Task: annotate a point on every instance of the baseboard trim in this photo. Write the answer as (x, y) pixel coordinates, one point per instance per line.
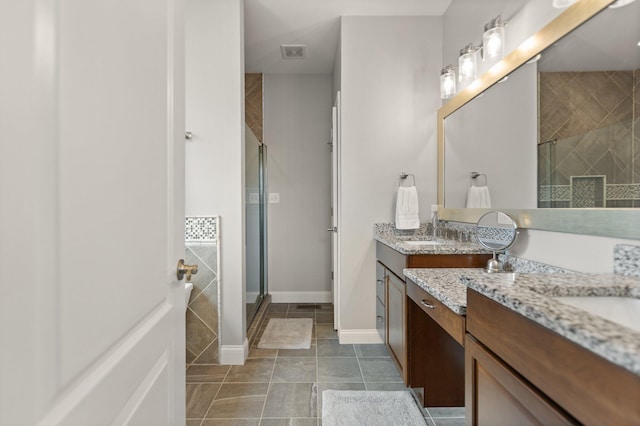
(234, 354)
(300, 296)
(366, 336)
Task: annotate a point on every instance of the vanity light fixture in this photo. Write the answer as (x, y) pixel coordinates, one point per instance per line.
(468, 65)
(493, 40)
(447, 82)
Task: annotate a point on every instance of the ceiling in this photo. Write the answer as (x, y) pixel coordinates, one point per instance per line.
(314, 23)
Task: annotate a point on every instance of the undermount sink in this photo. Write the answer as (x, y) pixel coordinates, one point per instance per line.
(621, 310)
(423, 243)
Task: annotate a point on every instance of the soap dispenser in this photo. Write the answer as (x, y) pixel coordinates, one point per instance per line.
(435, 222)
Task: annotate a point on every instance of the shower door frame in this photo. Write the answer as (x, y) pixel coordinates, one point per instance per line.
(262, 218)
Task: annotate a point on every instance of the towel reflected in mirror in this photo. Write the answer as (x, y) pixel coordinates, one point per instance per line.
(478, 197)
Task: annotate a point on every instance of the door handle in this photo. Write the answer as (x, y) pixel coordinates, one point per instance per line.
(332, 229)
(187, 270)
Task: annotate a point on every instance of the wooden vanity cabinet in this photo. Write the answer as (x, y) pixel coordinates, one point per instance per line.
(392, 297)
(381, 300)
(500, 396)
(518, 372)
(436, 355)
(397, 322)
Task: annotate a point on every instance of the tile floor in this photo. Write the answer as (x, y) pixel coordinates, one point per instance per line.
(284, 387)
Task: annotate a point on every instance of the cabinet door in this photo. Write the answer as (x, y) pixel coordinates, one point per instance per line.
(380, 278)
(396, 321)
(381, 323)
(496, 395)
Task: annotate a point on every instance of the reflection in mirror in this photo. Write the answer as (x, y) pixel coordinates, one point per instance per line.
(588, 142)
(496, 231)
(585, 149)
(494, 134)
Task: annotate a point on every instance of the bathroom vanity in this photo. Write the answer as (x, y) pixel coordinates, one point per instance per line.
(536, 357)
(436, 335)
(531, 354)
(394, 254)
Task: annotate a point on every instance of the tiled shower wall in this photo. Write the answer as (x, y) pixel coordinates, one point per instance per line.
(202, 310)
(592, 117)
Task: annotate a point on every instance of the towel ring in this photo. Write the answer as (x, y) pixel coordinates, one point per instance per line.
(475, 175)
(405, 175)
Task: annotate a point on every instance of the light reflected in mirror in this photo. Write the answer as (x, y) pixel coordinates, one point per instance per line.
(584, 151)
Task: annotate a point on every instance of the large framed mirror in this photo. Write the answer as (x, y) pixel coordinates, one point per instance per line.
(553, 130)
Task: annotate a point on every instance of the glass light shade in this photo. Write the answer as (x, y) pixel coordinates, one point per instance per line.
(493, 40)
(468, 65)
(447, 82)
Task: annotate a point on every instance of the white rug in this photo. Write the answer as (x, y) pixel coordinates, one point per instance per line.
(370, 408)
(287, 333)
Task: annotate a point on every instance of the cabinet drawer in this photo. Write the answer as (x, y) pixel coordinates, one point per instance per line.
(380, 276)
(451, 322)
(381, 321)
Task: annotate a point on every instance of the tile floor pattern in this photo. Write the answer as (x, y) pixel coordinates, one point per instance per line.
(284, 387)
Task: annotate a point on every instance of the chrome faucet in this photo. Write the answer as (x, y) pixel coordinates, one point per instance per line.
(435, 223)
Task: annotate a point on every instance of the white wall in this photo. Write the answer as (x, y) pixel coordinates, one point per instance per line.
(467, 17)
(584, 253)
(215, 156)
(389, 75)
(337, 66)
(297, 128)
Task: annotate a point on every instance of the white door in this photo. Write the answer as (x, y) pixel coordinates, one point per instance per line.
(335, 211)
(91, 212)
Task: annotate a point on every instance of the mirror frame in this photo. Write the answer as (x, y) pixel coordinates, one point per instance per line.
(610, 222)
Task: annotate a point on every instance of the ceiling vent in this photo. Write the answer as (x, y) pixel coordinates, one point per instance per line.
(293, 51)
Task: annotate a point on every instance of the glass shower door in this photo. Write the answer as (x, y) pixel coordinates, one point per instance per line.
(256, 239)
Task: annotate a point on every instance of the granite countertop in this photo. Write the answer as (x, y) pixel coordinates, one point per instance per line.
(445, 284)
(399, 243)
(531, 295)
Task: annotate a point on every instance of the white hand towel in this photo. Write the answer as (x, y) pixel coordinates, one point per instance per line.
(478, 197)
(407, 208)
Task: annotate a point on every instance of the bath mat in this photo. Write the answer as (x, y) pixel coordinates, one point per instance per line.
(371, 408)
(287, 333)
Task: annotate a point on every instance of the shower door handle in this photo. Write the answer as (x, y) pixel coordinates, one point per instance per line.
(187, 270)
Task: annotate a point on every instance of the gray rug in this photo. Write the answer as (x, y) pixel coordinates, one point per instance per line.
(287, 333)
(370, 408)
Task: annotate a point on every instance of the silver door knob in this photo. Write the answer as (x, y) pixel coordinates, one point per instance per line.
(332, 229)
(187, 270)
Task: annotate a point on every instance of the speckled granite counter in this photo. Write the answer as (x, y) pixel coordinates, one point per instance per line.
(444, 284)
(398, 240)
(531, 295)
